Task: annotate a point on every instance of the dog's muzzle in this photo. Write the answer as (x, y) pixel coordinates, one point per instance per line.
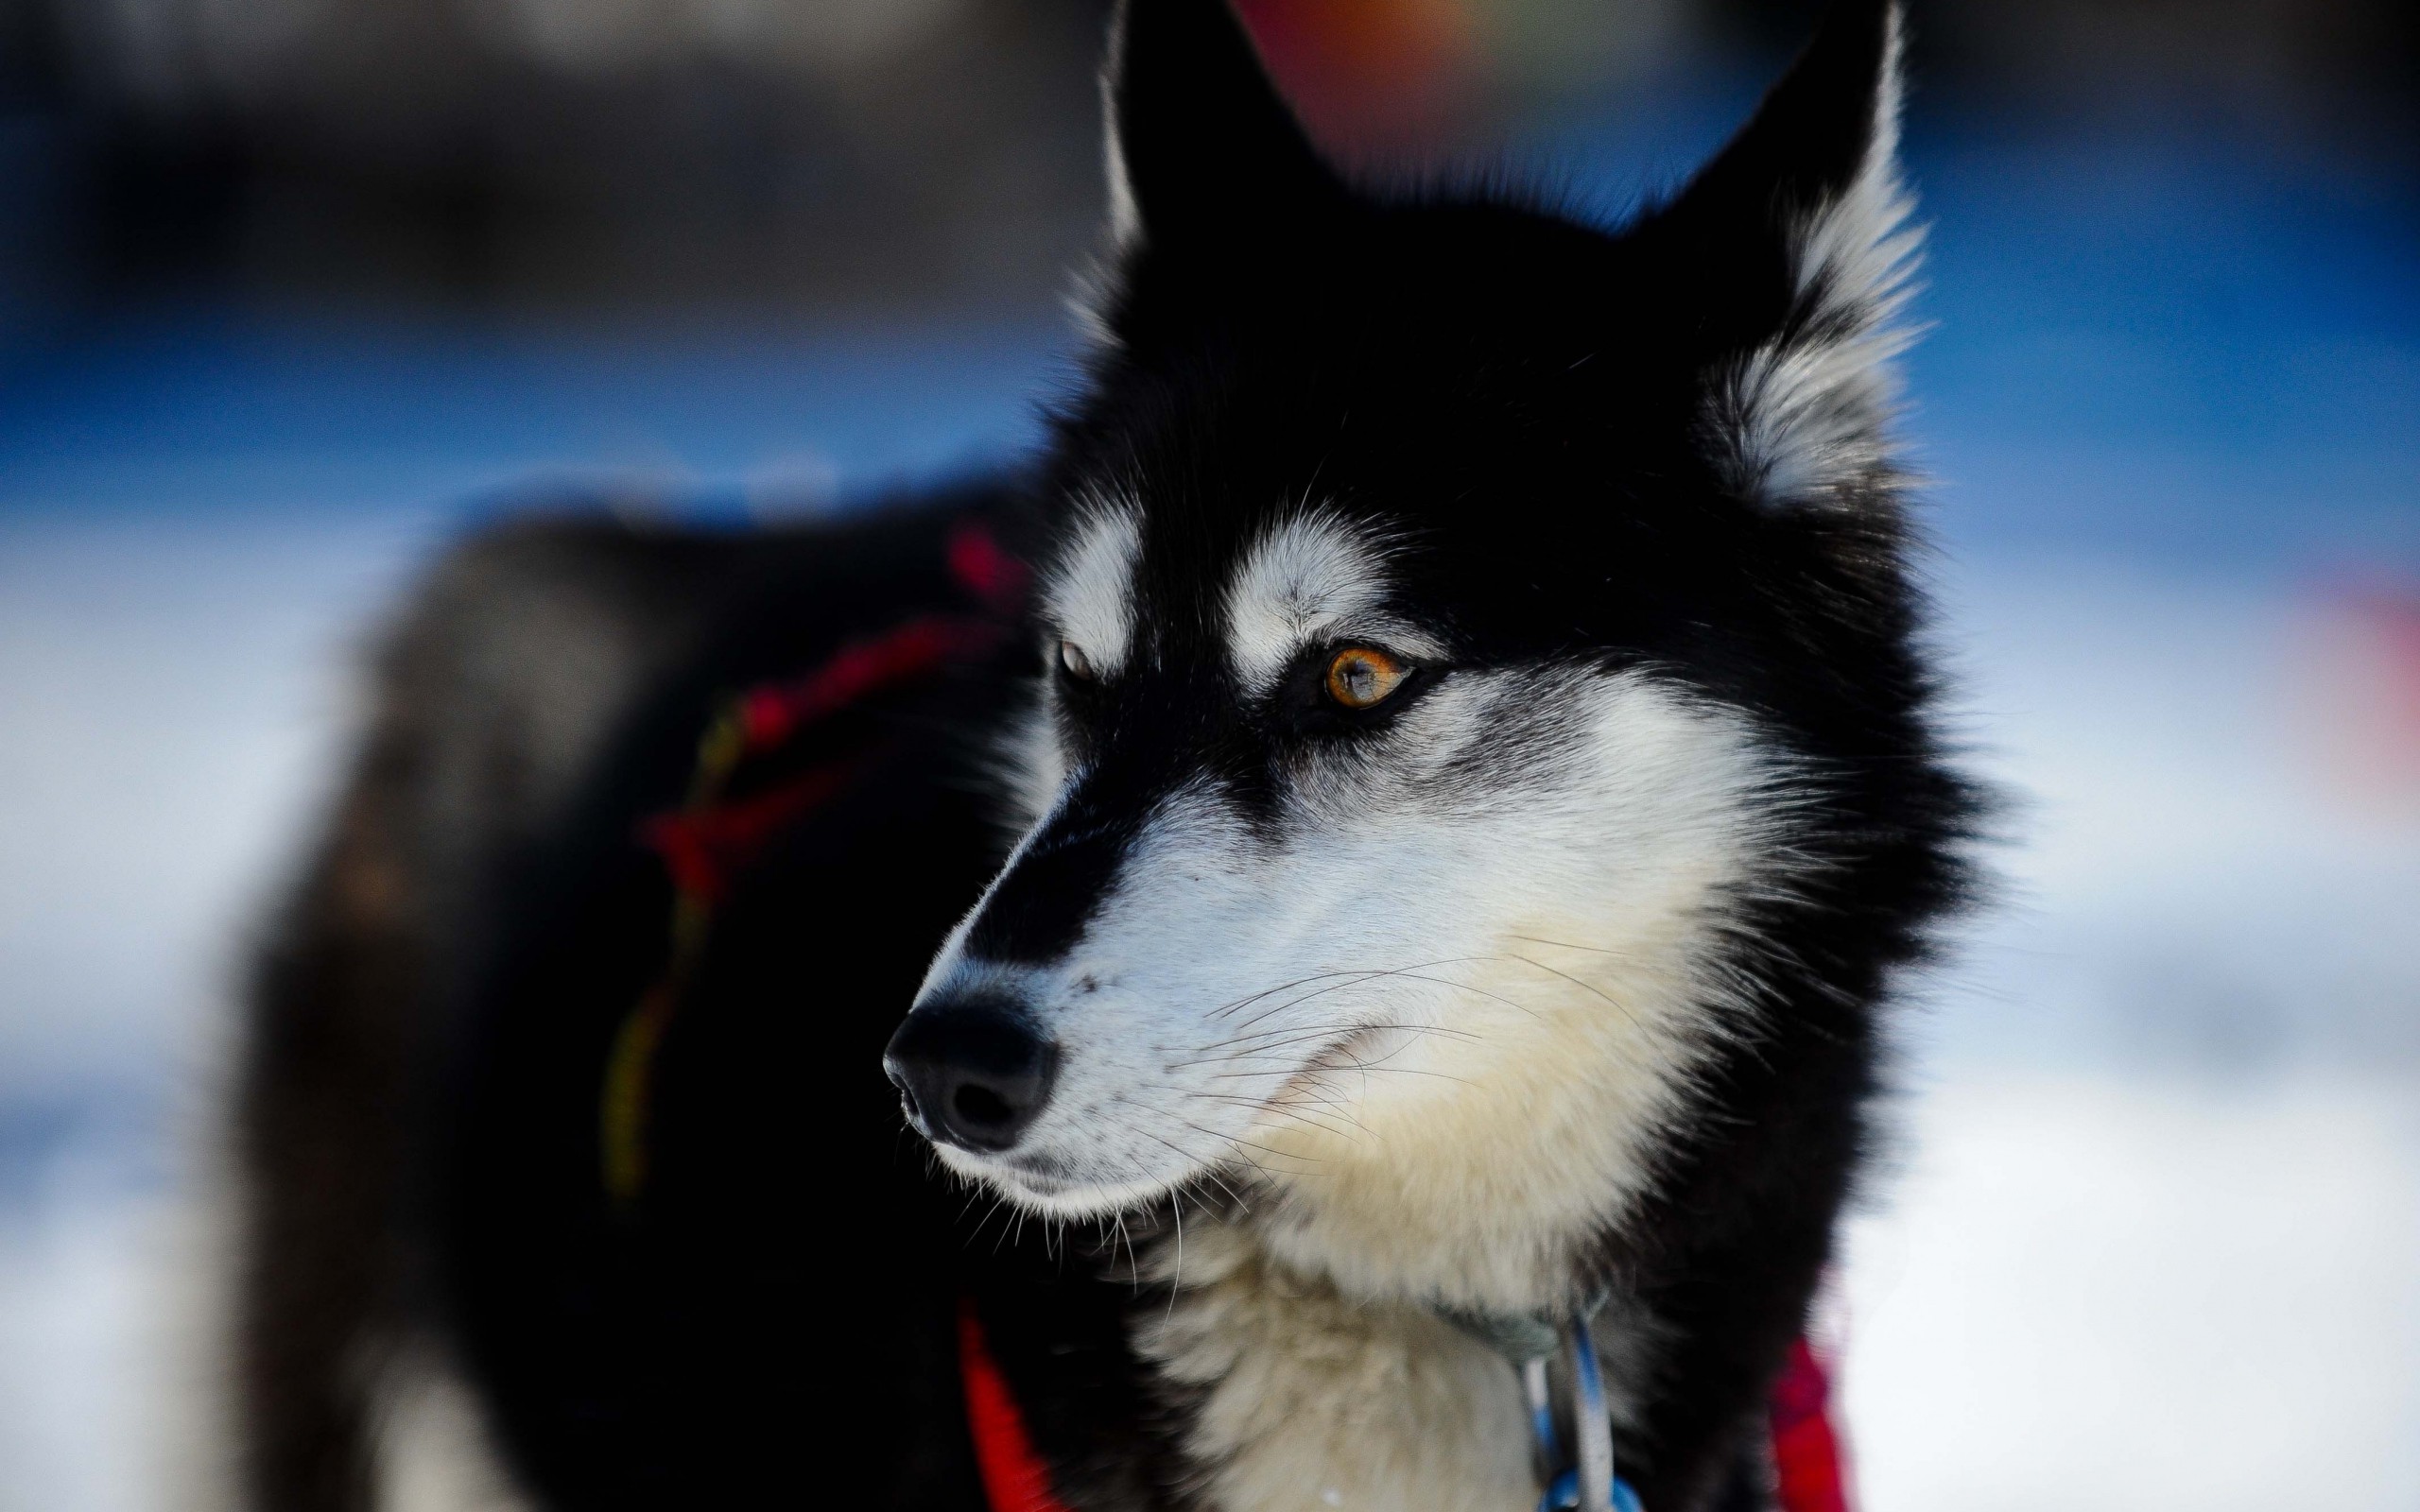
(971, 1072)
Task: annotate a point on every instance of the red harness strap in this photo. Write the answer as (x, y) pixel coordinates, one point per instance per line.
(1809, 1472)
(1807, 1454)
(1014, 1477)
(709, 842)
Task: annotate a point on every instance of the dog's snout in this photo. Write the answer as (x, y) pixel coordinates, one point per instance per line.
(971, 1072)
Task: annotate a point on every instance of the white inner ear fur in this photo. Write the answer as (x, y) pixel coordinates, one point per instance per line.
(1089, 597)
(1807, 414)
(1125, 216)
(1312, 576)
(1089, 295)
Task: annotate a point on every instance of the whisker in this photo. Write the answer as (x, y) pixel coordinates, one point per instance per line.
(1353, 979)
(1250, 999)
(1134, 1261)
(1208, 1134)
(1564, 944)
(1351, 1128)
(1373, 974)
(1464, 987)
(1176, 1283)
(1367, 1067)
(1607, 998)
(1346, 1030)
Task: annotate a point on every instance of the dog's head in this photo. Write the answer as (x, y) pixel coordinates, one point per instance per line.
(1457, 620)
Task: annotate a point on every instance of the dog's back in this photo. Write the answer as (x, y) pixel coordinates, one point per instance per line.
(430, 1074)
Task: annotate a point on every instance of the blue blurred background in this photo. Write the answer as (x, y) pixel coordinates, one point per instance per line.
(294, 291)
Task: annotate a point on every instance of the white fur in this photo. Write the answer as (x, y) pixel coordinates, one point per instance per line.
(1313, 576)
(1088, 299)
(1029, 769)
(1125, 215)
(1807, 414)
(1435, 1025)
(1088, 600)
(1312, 1401)
(436, 1450)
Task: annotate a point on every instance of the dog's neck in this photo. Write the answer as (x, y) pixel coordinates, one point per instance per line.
(1304, 1397)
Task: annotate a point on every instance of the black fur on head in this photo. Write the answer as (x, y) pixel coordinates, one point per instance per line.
(1529, 395)
(1662, 443)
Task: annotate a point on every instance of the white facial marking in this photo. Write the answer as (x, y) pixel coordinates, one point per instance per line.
(1090, 598)
(1029, 770)
(1312, 576)
(1431, 1015)
(1806, 414)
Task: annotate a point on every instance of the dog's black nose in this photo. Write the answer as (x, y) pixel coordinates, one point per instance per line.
(971, 1072)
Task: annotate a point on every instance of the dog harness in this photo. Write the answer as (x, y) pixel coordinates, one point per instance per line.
(706, 842)
(729, 815)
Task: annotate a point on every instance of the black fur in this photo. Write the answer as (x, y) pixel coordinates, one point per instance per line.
(773, 1317)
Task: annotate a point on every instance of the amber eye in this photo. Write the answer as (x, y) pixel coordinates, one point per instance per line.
(1361, 677)
(1072, 658)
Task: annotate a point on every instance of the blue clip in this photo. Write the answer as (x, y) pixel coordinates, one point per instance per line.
(1564, 1495)
(1592, 1422)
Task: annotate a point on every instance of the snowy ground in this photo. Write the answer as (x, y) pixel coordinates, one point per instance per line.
(2151, 1236)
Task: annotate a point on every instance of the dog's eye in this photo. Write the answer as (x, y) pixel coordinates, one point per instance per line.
(1361, 677)
(1073, 661)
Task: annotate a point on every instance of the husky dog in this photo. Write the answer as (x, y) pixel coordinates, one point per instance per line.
(1424, 857)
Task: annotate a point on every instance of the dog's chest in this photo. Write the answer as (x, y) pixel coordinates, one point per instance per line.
(1304, 1401)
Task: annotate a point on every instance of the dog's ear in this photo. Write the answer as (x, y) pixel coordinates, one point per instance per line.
(1797, 242)
(1202, 153)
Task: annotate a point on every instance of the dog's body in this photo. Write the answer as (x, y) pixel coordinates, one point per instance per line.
(1445, 877)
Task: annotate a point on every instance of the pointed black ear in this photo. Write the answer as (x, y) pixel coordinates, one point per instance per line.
(1832, 121)
(1796, 242)
(1200, 147)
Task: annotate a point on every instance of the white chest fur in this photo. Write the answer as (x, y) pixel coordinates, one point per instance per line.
(1310, 1402)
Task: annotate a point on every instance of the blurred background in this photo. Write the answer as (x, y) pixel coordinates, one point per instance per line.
(293, 291)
